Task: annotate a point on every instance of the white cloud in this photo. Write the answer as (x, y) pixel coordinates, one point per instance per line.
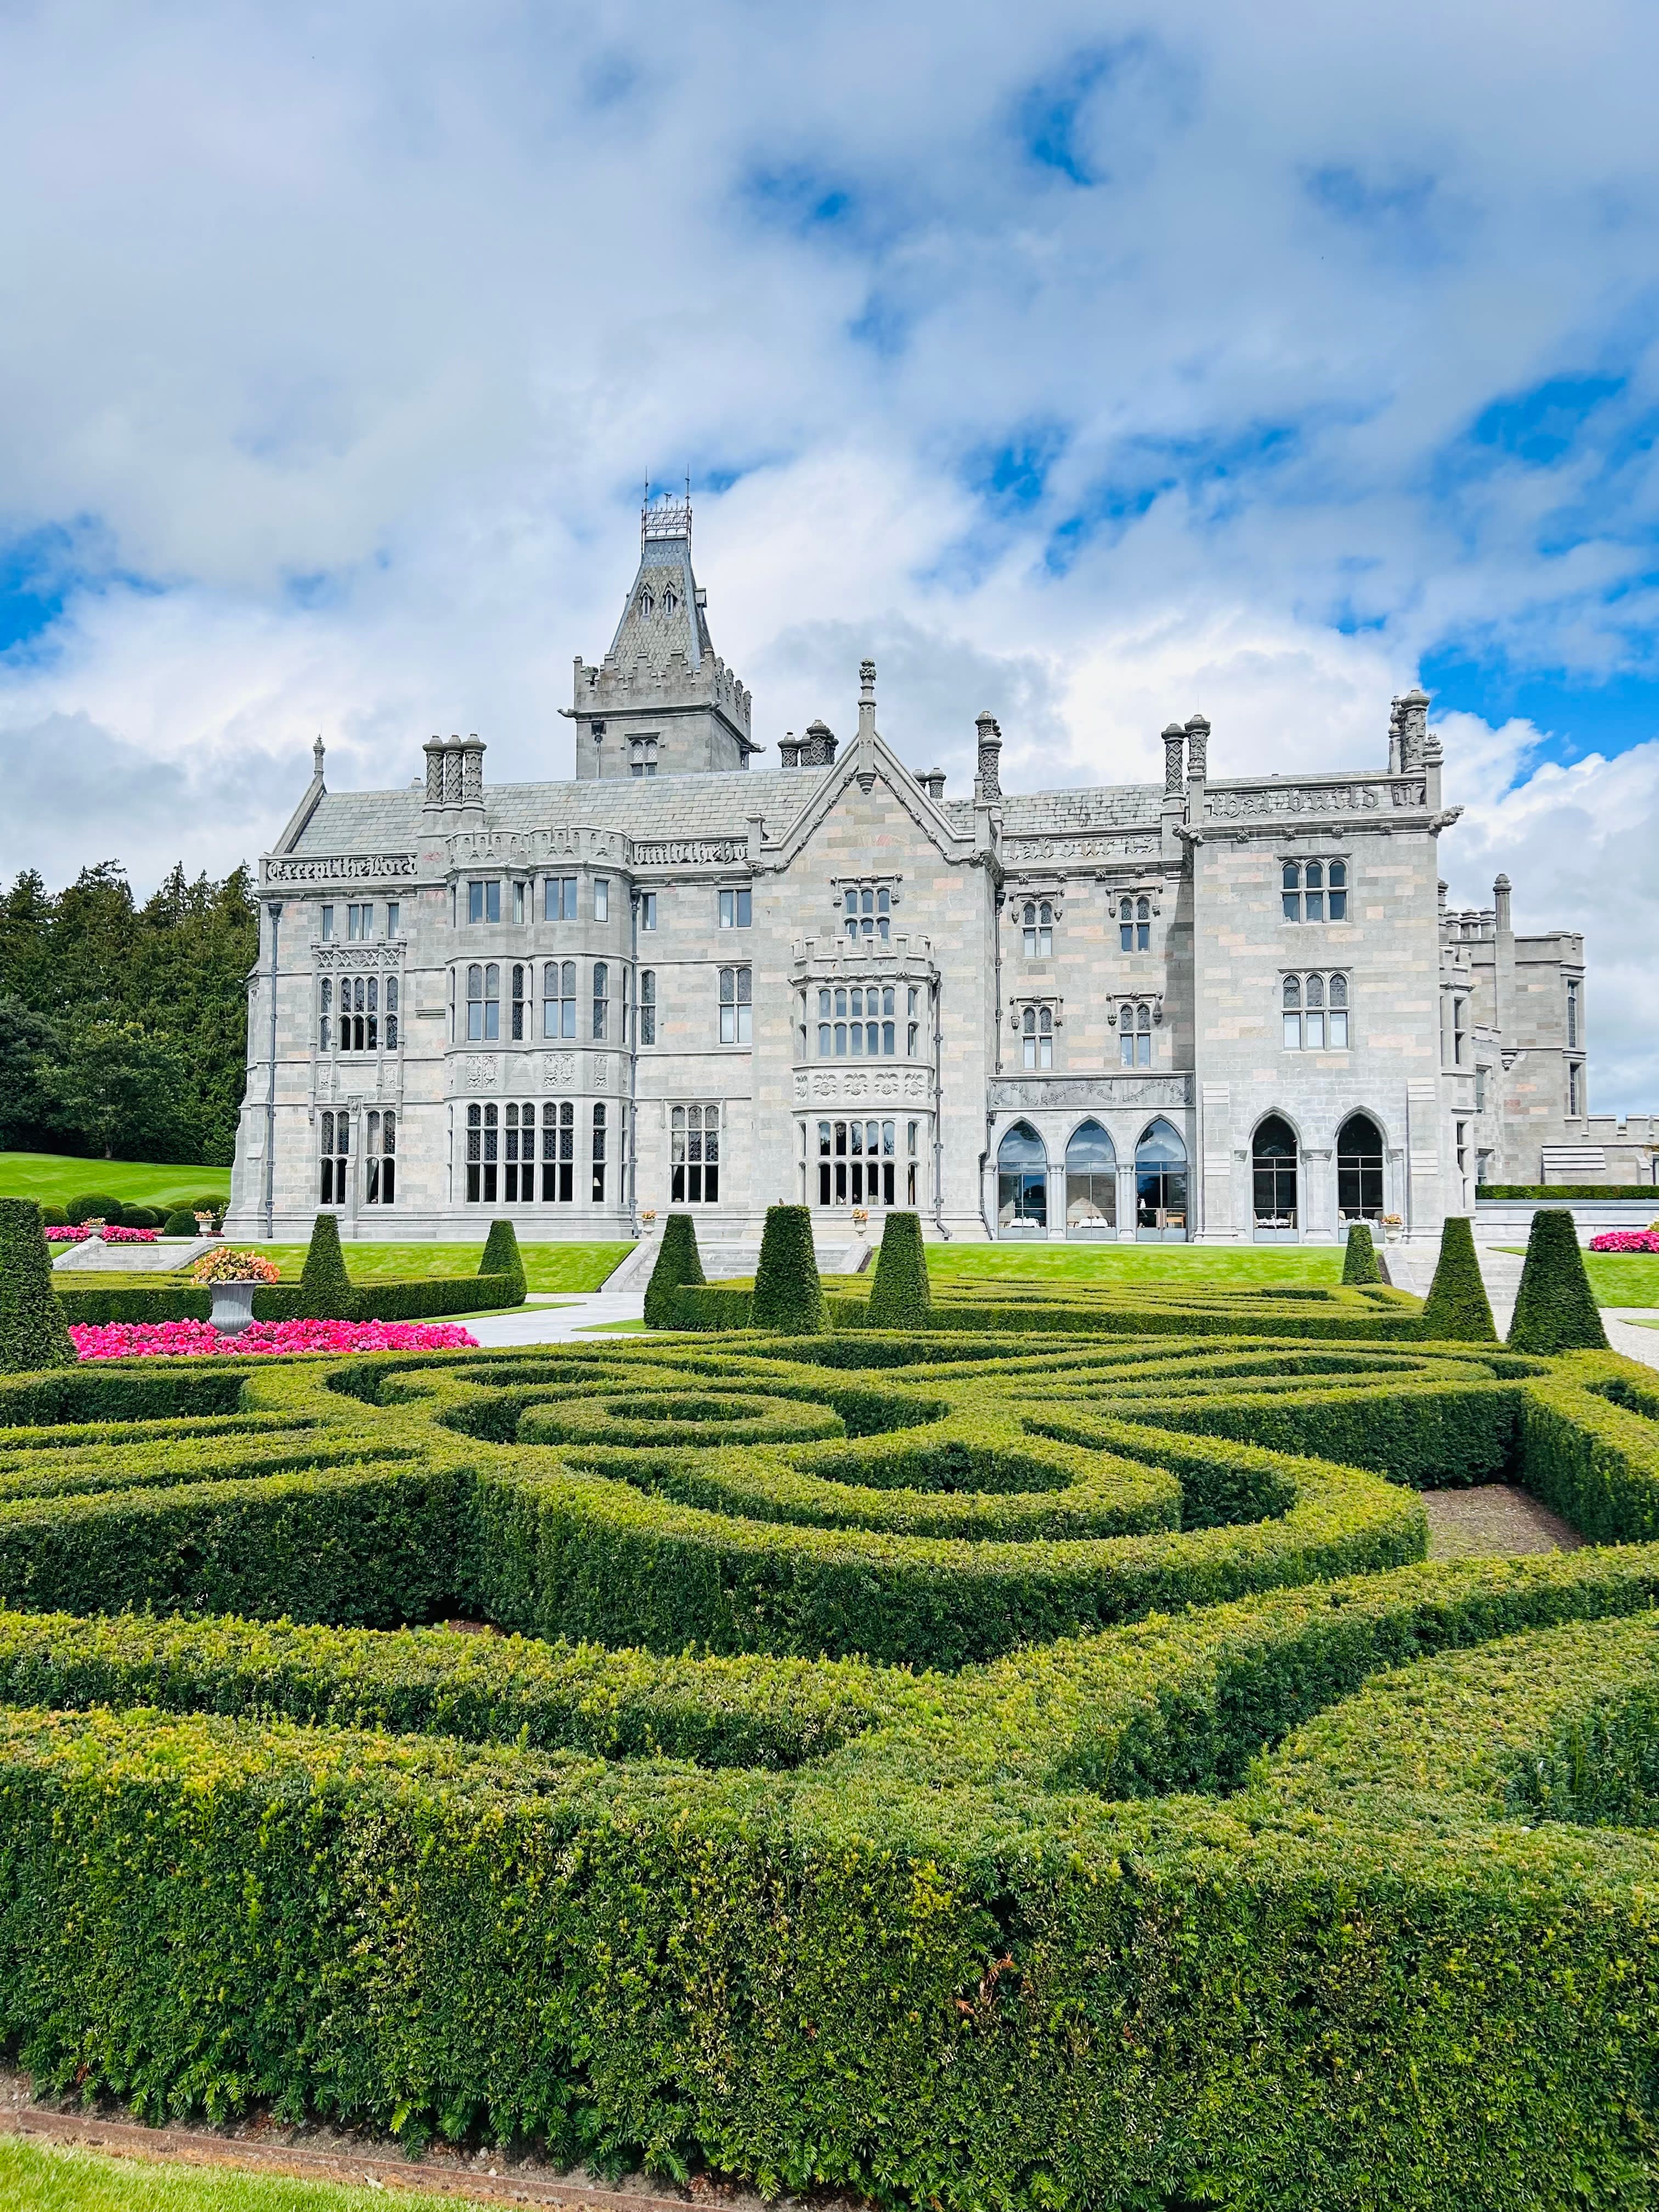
(353, 333)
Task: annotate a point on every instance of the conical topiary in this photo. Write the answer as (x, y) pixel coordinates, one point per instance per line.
(789, 1295)
(901, 1296)
(1456, 1308)
(1555, 1308)
(1359, 1260)
(325, 1292)
(678, 1263)
(502, 1256)
(33, 1330)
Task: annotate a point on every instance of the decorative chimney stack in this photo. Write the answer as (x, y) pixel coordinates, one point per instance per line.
(818, 747)
(788, 749)
(987, 781)
(1174, 738)
(932, 781)
(1198, 749)
(1410, 721)
(454, 772)
(1500, 906)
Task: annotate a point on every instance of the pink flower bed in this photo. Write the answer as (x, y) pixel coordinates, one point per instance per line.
(179, 1340)
(1626, 1240)
(72, 1235)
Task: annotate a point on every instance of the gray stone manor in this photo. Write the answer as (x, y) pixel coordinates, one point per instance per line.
(1228, 1006)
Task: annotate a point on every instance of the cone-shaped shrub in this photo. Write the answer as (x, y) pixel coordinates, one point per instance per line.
(789, 1295)
(324, 1285)
(1554, 1309)
(33, 1330)
(901, 1296)
(502, 1256)
(1456, 1307)
(679, 1263)
(1359, 1260)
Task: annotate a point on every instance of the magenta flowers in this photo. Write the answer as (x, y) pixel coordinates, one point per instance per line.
(1626, 1240)
(73, 1235)
(185, 1340)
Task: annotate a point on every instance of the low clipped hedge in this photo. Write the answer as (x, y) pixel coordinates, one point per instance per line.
(143, 1299)
(944, 1770)
(1646, 1194)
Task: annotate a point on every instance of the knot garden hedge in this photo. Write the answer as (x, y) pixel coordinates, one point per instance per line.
(963, 1771)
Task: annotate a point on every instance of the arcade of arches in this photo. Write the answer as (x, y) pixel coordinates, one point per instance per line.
(1090, 1194)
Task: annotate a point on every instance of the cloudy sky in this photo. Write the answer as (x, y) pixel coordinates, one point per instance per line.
(1088, 363)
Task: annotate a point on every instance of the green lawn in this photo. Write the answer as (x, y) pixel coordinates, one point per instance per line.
(1137, 1263)
(37, 2177)
(546, 1266)
(52, 1179)
(1617, 1279)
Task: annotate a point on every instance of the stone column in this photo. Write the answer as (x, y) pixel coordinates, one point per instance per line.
(1316, 1199)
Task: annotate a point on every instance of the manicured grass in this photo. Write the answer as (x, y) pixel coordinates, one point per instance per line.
(37, 2177)
(546, 1266)
(1220, 1264)
(1617, 1279)
(53, 1178)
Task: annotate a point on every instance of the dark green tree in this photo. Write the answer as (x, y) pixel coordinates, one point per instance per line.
(325, 1292)
(119, 1086)
(502, 1256)
(678, 1263)
(28, 1046)
(901, 1296)
(1359, 1260)
(34, 1332)
(789, 1295)
(1456, 1308)
(1555, 1308)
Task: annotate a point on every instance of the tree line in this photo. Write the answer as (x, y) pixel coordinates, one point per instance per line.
(123, 1027)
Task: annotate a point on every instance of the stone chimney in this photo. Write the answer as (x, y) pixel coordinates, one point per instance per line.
(987, 781)
(454, 772)
(932, 781)
(1198, 749)
(1174, 738)
(788, 749)
(1411, 723)
(1500, 905)
(818, 747)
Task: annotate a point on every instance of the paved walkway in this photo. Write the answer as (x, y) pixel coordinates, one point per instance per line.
(566, 1321)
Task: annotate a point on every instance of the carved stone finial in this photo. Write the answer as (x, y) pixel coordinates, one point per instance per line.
(866, 700)
(317, 756)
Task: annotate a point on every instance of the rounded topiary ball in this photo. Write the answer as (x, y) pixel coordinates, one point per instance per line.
(181, 1224)
(93, 1206)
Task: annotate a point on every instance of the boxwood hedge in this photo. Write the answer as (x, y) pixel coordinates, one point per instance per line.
(957, 1772)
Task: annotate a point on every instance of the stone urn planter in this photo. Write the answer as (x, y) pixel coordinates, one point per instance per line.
(233, 1307)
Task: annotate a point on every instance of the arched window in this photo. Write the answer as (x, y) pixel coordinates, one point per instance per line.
(1090, 1183)
(1022, 1182)
(647, 605)
(1358, 1168)
(669, 601)
(1134, 925)
(1037, 921)
(1037, 1037)
(1135, 1036)
(1273, 1176)
(1161, 1185)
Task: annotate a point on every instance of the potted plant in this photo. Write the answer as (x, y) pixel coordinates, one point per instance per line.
(1391, 1224)
(232, 1278)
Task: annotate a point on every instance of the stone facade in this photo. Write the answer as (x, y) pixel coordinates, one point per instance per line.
(1226, 1009)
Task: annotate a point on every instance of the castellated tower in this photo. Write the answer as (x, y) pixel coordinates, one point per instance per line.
(661, 702)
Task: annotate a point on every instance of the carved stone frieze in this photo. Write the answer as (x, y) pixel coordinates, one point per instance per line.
(1029, 1094)
(1026, 851)
(358, 959)
(689, 852)
(338, 867)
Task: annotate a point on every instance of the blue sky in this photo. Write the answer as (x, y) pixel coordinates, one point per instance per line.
(1091, 363)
